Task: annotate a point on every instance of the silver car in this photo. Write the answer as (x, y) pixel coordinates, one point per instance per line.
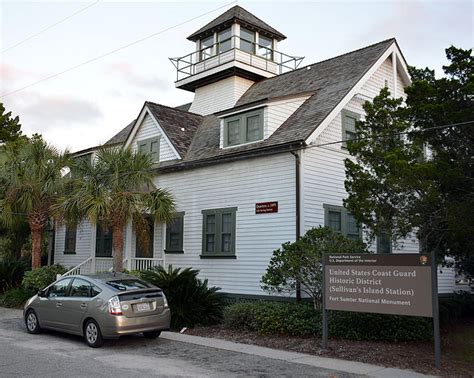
(98, 307)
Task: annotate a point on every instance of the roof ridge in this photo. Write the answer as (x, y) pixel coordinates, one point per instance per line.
(328, 59)
(172, 108)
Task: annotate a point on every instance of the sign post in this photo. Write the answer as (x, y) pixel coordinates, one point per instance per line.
(399, 284)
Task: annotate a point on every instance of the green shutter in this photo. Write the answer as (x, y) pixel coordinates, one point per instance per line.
(150, 146)
(243, 128)
(340, 220)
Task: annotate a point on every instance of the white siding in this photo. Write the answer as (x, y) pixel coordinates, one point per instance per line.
(220, 95)
(324, 173)
(238, 184)
(149, 129)
(83, 245)
(279, 111)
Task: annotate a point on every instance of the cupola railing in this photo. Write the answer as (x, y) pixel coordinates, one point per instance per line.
(236, 49)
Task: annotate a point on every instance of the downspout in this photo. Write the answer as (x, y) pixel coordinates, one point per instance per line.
(296, 154)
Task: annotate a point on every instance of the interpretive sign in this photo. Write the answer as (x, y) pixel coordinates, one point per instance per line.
(379, 283)
(396, 283)
(266, 207)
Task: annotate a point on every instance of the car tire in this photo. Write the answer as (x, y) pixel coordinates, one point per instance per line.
(152, 334)
(92, 334)
(32, 322)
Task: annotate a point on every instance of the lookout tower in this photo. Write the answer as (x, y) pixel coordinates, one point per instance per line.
(235, 45)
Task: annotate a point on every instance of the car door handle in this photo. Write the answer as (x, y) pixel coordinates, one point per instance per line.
(58, 304)
(84, 305)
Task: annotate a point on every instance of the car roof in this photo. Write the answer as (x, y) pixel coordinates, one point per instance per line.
(105, 276)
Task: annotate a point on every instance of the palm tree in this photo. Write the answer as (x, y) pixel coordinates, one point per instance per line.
(31, 181)
(117, 187)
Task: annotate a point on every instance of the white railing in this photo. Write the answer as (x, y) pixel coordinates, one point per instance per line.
(144, 263)
(83, 267)
(103, 264)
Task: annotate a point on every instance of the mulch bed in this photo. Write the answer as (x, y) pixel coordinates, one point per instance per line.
(457, 348)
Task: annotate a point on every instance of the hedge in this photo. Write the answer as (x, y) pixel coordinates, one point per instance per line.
(39, 278)
(302, 320)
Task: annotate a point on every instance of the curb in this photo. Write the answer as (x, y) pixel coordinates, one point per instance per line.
(353, 367)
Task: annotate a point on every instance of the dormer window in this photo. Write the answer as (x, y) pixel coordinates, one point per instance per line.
(243, 128)
(247, 40)
(224, 41)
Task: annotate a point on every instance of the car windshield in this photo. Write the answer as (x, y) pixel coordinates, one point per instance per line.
(128, 284)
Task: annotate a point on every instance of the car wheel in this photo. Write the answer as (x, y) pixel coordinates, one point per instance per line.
(32, 323)
(152, 334)
(92, 334)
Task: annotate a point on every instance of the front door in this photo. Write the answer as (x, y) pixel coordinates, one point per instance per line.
(144, 239)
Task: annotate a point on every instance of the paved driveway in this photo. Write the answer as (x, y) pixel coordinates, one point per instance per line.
(56, 355)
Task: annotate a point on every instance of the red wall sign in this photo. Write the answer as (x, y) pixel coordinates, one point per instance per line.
(266, 207)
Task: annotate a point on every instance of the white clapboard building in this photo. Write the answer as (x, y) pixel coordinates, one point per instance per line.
(237, 159)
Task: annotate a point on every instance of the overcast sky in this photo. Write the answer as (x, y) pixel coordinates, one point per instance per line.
(86, 106)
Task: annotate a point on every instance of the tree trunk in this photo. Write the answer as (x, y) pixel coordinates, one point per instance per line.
(37, 221)
(36, 238)
(117, 244)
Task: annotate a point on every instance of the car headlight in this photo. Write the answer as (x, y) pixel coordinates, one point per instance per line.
(165, 301)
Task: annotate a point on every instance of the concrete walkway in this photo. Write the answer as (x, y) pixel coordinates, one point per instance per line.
(352, 367)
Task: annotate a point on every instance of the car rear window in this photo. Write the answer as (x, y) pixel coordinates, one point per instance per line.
(129, 284)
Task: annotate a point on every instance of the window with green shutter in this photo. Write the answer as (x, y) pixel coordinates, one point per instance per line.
(243, 128)
(174, 234)
(340, 220)
(349, 120)
(70, 239)
(218, 233)
(150, 146)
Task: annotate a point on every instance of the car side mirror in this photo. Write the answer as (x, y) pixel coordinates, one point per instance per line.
(42, 293)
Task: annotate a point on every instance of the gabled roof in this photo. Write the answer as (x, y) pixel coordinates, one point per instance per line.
(122, 135)
(179, 125)
(241, 15)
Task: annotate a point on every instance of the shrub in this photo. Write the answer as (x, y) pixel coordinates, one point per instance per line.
(301, 320)
(456, 307)
(15, 297)
(191, 301)
(301, 262)
(11, 274)
(38, 279)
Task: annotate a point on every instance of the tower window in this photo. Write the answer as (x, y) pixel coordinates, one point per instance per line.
(265, 47)
(247, 40)
(207, 47)
(224, 41)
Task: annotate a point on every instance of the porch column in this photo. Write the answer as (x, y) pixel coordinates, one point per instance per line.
(128, 244)
(93, 243)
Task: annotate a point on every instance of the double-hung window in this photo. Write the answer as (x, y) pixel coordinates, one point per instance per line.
(340, 220)
(103, 243)
(70, 239)
(150, 146)
(349, 120)
(218, 233)
(174, 234)
(243, 128)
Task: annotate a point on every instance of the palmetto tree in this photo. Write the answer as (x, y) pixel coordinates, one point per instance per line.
(31, 181)
(115, 188)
